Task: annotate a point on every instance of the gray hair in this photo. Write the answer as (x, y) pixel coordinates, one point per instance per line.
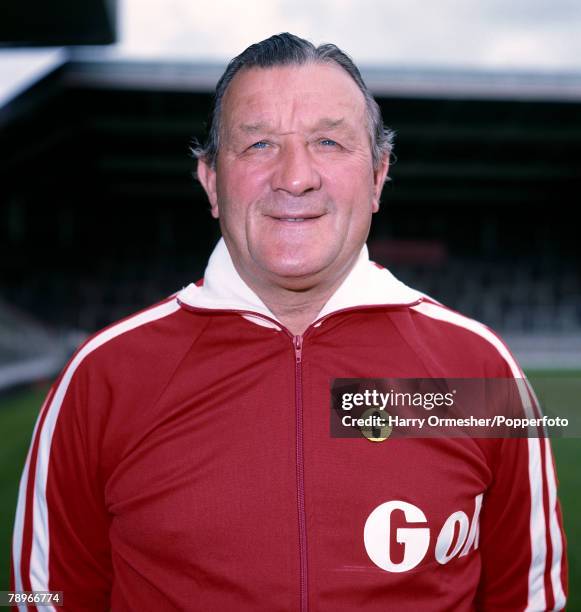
(287, 49)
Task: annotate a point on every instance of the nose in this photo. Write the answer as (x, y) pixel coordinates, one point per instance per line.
(295, 172)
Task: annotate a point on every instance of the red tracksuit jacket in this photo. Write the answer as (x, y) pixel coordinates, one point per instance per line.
(183, 461)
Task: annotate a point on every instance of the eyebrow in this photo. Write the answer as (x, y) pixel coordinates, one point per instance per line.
(326, 123)
(329, 124)
(252, 128)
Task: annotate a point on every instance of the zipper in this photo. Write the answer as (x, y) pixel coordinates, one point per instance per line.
(300, 473)
(298, 346)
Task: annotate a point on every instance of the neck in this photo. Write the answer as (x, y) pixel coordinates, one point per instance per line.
(296, 312)
(296, 304)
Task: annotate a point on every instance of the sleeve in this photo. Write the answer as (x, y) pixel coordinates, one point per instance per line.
(60, 539)
(522, 542)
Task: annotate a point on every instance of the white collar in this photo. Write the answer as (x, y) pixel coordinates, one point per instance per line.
(223, 289)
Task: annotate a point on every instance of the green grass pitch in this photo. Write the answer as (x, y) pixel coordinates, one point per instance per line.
(18, 412)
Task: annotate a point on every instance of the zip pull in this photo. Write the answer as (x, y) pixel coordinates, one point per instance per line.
(298, 342)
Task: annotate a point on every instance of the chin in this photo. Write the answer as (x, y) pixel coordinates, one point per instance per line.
(296, 258)
(296, 270)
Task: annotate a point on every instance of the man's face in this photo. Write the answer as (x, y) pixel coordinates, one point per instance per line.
(294, 186)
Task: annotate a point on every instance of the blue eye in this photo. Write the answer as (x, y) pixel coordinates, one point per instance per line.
(328, 142)
(259, 145)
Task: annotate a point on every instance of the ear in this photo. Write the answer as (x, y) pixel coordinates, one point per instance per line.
(207, 176)
(379, 176)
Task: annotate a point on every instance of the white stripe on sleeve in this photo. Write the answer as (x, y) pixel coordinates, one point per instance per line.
(39, 558)
(536, 594)
(555, 530)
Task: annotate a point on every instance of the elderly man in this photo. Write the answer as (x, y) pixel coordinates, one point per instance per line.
(183, 459)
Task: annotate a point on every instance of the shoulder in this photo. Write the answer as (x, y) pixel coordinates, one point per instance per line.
(465, 340)
(144, 340)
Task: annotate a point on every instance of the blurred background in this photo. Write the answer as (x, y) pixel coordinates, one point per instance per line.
(100, 215)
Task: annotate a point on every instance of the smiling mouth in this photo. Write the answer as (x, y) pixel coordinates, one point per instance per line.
(297, 219)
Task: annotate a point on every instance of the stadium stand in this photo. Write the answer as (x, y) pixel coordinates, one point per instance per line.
(100, 216)
(29, 351)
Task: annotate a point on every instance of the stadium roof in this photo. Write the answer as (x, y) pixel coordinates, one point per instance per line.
(32, 23)
(82, 70)
(386, 81)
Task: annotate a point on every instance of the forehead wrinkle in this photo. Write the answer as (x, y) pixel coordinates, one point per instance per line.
(325, 123)
(262, 89)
